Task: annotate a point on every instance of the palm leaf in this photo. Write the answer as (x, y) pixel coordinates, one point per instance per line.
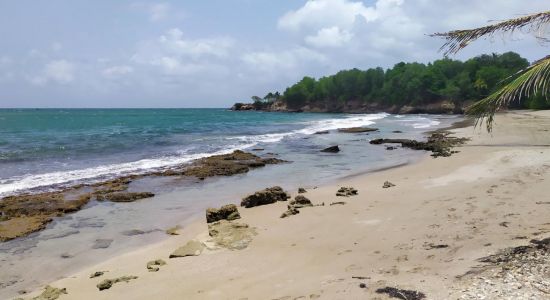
(458, 39)
(533, 80)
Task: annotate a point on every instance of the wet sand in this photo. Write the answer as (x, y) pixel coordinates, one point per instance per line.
(422, 234)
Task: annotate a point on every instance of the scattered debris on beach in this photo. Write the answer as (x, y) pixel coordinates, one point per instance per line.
(227, 212)
(97, 274)
(299, 201)
(439, 143)
(512, 273)
(266, 196)
(346, 192)
(387, 185)
(192, 248)
(429, 246)
(154, 265)
(108, 283)
(401, 294)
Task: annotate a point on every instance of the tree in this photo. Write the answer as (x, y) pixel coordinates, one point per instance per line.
(531, 81)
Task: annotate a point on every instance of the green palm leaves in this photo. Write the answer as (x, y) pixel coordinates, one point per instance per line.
(533, 80)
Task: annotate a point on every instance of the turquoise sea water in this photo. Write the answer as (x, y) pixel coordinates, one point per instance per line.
(54, 147)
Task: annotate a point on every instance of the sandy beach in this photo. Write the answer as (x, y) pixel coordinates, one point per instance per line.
(424, 234)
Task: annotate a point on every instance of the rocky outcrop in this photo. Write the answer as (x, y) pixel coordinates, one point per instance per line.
(266, 196)
(346, 192)
(227, 212)
(298, 202)
(108, 283)
(439, 143)
(192, 248)
(331, 149)
(357, 129)
(124, 196)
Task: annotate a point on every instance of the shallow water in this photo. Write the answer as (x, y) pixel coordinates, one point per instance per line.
(67, 244)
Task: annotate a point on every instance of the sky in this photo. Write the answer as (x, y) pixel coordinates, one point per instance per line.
(212, 53)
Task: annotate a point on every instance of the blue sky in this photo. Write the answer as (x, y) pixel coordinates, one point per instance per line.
(212, 53)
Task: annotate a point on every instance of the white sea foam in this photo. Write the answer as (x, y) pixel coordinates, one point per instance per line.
(312, 127)
(418, 122)
(95, 174)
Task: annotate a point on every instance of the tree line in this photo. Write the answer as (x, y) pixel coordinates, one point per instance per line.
(409, 83)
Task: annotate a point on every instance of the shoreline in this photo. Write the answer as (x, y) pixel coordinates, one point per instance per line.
(406, 252)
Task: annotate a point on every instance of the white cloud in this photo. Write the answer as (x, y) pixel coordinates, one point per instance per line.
(60, 71)
(329, 37)
(174, 41)
(158, 11)
(275, 61)
(117, 71)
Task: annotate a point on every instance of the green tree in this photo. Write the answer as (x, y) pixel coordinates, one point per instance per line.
(530, 81)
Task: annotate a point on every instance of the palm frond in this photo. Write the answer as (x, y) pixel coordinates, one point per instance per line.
(533, 80)
(459, 39)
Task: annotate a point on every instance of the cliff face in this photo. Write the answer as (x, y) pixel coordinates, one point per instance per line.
(441, 107)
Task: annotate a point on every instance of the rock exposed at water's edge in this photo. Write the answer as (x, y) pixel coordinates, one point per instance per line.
(231, 235)
(124, 196)
(332, 149)
(227, 212)
(439, 143)
(357, 129)
(108, 283)
(266, 196)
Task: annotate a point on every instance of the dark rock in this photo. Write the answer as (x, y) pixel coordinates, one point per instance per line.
(346, 192)
(397, 131)
(332, 149)
(301, 190)
(322, 132)
(290, 212)
(390, 148)
(97, 274)
(388, 184)
(337, 203)
(266, 196)
(439, 143)
(363, 285)
(401, 294)
(357, 129)
(124, 196)
(299, 202)
(227, 212)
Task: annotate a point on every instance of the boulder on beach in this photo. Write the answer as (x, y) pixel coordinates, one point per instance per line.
(357, 129)
(331, 149)
(300, 201)
(290, 212)
(97, 274)
(192, 248)
(301, 190)
(154, 265)
(346, 192)
(231, 235)
(266, 196)
(108, 283)
(227, 212)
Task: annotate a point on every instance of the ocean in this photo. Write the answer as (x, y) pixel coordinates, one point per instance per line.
(48, 149)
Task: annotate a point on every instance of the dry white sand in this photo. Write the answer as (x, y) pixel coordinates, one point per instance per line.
(475, 202)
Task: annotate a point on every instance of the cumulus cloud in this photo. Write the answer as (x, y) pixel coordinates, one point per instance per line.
(282, 60)
(60, 71)
(329, 37)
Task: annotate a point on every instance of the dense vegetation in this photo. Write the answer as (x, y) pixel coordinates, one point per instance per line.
(409, 83)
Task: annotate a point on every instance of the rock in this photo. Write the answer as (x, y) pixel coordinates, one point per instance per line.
(322, 132)
(439, 143)
(124, 196)
(401, 294)
(154, 265)
(346, 192)
(133, 232)
(388, 184)
(22, 226)
(102, 243)
(97, 274)
(332, 149)
(173, 230)
(337, 203)
(258, 149)
(290, 212)
(266, 196)
(227, 212)
(192, 248)
(301, 190)
(397, 131)
(231, 235)
(66, 255)
(390, 148)
(357, 129)
(300, 201)
(50, 293)
(108, 283)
